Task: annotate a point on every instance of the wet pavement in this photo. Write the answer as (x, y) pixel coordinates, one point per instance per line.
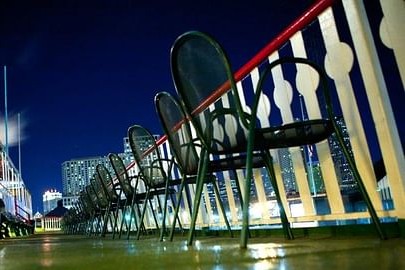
(55, 251)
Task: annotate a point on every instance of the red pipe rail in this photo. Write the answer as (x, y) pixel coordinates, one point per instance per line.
(301, 22)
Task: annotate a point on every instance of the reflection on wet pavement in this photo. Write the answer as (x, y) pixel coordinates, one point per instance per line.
(78, 252)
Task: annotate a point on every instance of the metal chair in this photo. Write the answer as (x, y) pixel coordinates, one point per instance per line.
(98, 203)
(184, 147)
(129, 186)
(294, 129)
(152, 170)
(200, 67)
(112, 191)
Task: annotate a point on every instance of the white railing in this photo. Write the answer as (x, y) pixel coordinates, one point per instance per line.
(13, 191)
(50, 224)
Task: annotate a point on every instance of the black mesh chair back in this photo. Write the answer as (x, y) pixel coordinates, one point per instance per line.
(91, 196)
(108, 184)
(199, 69)
(99, 192)
(150, 166)
(85, 201)
(178, 132)
(122, 174)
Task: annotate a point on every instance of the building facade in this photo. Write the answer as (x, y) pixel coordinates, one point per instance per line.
(77, 173)
(50, 200)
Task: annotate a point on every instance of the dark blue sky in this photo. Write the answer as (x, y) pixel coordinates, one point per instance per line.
(81, 74)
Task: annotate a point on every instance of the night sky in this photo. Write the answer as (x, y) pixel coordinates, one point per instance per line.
(81, 74)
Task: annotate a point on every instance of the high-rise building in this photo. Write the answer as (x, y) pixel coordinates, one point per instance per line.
(69, 201)
(50, 200)
(77, 173)
(287, 170)
(344, 174)
(127, 156)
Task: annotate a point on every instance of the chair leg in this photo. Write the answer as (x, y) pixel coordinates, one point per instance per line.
(202, 168)
(138, 233)
(240, 196)
(176, 211)
(99, 223)
(141, 225)
(123, 218)
(132, 213)
(246, 194)
(153, 212)
(221, 205)
(360, 184)
(178, 219)
(163, 228)
(284, 220)
(116, 214)
(188, 198)
(105, 223)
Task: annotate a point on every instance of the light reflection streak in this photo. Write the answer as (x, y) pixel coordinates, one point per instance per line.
(2, 252)
(46, 260)
(266, 251)
(184, 246)
(262, 265)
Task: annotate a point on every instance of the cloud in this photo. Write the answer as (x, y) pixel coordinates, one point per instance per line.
(12, 126)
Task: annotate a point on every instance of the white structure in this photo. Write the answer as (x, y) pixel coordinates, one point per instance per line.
(13, 191)
(50, 200)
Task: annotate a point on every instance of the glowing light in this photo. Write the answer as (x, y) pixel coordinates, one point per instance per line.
(12, 126)
(255, 211)
(266, 251)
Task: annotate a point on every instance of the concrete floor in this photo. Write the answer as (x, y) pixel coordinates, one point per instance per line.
(53, 251)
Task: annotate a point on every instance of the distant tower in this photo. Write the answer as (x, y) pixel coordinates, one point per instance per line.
(287, 170)
(344, 174)
(127, 156)
(50, 200)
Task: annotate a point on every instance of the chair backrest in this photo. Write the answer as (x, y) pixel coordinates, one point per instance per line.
(150, 166)
(296, 89)
(108, 182)
(178, 132)
(85, 201)
(200, 67)
(91, 197)
(99, 192)
(299, 109)
(122, 174)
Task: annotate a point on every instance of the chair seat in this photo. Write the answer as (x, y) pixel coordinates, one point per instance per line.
(293, 134)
